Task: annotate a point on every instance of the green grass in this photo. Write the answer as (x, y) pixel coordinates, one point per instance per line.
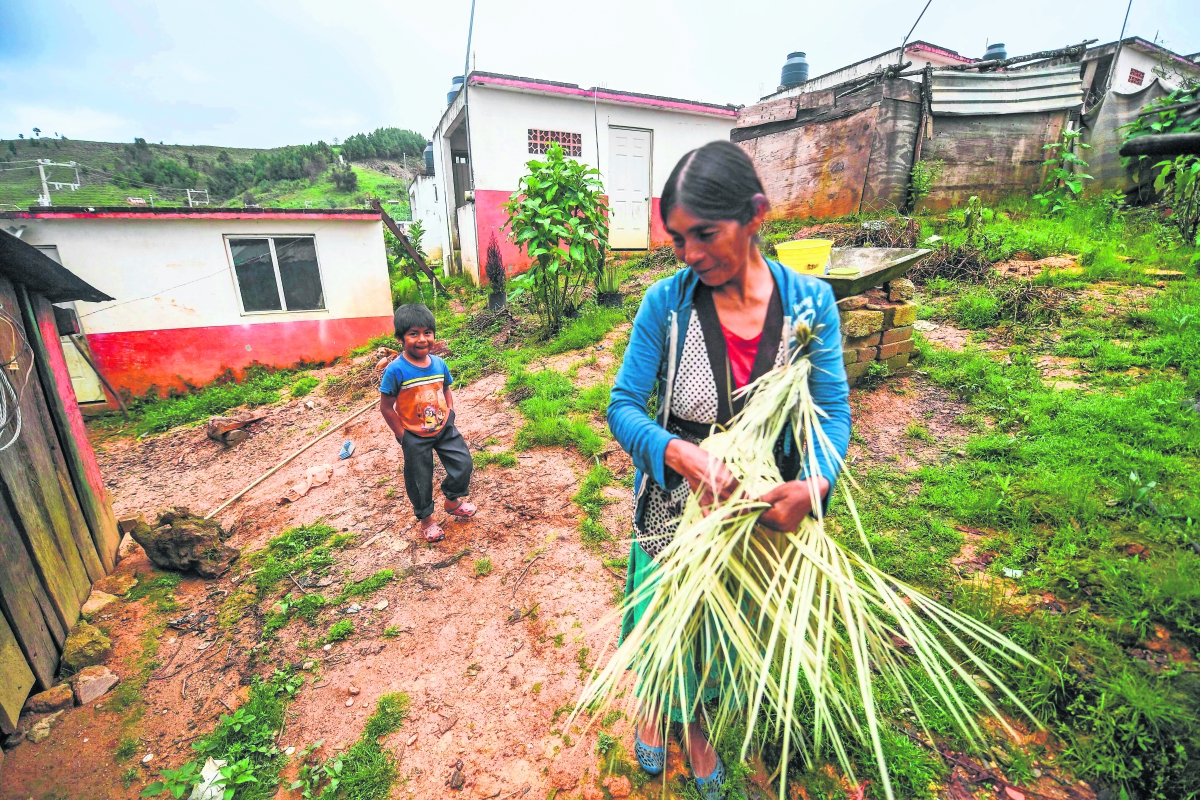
(126, 749)
(304, 385)
(591, 500)
(368, 770)
(296, 552)
(159, 588)
(367, 586)
(483, 567)
(551, 417)
(486, 458)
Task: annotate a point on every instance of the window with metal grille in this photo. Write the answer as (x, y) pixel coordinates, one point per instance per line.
(1136, 76)
(277, 273)
(540, 141)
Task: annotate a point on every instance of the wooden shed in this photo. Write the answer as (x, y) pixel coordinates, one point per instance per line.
(58, 533)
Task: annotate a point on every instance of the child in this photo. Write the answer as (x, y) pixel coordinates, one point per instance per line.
(419, 408)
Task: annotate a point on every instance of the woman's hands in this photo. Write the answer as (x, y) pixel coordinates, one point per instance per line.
(700, 469)
(790, 502)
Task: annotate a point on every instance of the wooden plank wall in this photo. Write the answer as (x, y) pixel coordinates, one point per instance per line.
(833, 156)
(989, 156)
(52, 545)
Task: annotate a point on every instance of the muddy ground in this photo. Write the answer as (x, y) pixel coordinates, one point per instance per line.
(485, 689)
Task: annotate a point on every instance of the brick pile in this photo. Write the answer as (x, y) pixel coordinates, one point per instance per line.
(877, 327)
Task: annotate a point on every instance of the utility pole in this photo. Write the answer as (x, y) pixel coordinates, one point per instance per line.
(44, 200)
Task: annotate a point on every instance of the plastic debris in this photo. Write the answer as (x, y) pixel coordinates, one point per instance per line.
(347, 450)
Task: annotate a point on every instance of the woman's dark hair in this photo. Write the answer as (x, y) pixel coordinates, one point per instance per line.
(413, 315)
(716, 182)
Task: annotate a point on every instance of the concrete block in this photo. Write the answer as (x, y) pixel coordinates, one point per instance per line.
(849, 356)
(855, 342)
(895, 348)
(904, 315)
(897, 363)
(861, 322)
(897, 334)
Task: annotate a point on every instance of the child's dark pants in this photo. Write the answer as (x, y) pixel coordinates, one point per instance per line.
(418, 466)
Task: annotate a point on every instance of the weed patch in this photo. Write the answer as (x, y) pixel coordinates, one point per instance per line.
(486, 458)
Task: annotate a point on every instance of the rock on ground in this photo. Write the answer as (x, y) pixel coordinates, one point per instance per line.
(183, 542)
(56, 698)
(618, 786)
(40, 731)
(85, 646)
(92, 683)
(96, 602)
(117, 583)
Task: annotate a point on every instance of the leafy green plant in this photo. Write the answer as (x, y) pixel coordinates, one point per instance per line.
(483, 567)
(1064, 180)
(610, 278)
(391, 631)
(304, 385)
(367, 586)
(558, 216)
(974, 216)
(922, 178)
(1179, 182)
(339, 631)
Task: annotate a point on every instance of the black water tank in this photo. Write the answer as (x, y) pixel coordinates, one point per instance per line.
(429, 158)
(995, 52)
(456, 83)
(795, 70)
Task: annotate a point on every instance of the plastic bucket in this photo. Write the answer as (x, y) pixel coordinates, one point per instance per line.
(808, 256)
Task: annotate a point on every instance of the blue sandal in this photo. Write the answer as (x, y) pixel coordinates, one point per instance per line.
(651, 759)
(710, 787)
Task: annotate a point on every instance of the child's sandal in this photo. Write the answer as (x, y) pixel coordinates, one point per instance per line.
(464, 510)
(434, 533)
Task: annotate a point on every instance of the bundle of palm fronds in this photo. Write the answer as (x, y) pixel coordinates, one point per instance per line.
(783, 620)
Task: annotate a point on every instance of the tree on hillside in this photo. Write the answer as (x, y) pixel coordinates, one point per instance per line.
(390, 143)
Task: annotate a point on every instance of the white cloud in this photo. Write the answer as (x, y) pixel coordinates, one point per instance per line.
(74, 123)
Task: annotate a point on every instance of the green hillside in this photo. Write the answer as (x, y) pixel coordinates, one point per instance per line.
(111, 172)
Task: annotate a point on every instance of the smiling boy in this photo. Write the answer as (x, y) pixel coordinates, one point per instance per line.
(419, 408)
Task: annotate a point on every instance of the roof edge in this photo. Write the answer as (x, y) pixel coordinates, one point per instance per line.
(596, 93)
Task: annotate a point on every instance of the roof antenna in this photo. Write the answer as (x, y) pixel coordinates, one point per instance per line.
(914, 27)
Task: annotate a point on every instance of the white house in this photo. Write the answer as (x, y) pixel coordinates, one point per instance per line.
(497, 123)
(202, 290)
(425, 202)
(1139, 64)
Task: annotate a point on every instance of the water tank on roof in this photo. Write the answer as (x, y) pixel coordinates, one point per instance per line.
(456, 83)
(795, 70)
(995, 52)
(429, 158)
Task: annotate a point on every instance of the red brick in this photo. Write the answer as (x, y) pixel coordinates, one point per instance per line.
(897, 334)
(853, 343)
(857, 370)
(895, 348)
(868, 353)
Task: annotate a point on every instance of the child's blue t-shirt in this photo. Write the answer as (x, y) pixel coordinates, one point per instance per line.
(419, 392)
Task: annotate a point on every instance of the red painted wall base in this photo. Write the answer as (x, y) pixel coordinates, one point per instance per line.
(139, 360)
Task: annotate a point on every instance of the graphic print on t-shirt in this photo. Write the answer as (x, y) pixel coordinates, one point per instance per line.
(420, 394)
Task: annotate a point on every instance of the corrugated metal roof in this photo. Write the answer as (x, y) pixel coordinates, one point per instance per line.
(969, 93)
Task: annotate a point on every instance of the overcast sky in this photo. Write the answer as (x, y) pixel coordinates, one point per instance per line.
(263, 74)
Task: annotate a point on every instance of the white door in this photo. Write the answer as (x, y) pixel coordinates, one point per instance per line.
(629, 188)
(84, 379)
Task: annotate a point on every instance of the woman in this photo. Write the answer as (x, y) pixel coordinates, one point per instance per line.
(698, 336)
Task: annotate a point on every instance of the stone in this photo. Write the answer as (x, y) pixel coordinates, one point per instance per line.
(353, 608)
(849, 356)
(40, 730)
(126, 523)
(897, 334)
(95, 603)
(381, 605)
(905, 315)
(897, 363)
(93, 683)
(592, 793)
(350, 702)
(15, 738)
(857, 370)
(183, 542)
(851, 303)
(895, 348)
(307, 665)
(924, 325)
(901, 289)
(354, 691)
(563, 777)
(861, 322)
(86, 645)
(856, 342)
(867, 354)
(146, 759)
(230, 430)
(457, 780)
(618, 786)
(56, 698)
(117, 584)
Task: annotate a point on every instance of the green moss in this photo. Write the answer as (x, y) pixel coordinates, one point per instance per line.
(85, 646)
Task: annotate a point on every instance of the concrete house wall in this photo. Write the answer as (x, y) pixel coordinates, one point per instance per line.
(177, 316)
(503, 109)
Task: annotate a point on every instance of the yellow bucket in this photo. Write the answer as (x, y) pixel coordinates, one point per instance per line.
(807, 256)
